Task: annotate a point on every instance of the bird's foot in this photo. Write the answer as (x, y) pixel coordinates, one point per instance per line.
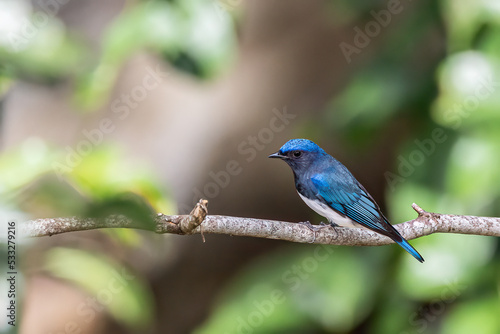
(323, 225)
(312, 228)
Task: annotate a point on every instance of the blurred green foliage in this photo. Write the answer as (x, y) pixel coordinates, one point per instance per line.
(113, 286)
(36, 177)
(311, 289)
(98, 178)
(192, 35)
(296, 290)
(99, 186)
(189, 34)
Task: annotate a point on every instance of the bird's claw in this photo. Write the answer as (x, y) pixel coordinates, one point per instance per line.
(313, 228)
(309, 225)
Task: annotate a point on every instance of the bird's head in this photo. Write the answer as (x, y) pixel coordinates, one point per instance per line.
(299, 153)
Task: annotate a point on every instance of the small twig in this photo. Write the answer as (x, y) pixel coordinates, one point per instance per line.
(195, 218)
(420, 211)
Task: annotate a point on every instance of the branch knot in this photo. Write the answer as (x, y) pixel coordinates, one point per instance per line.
(190, 222)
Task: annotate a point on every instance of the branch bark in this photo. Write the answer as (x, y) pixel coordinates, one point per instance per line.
(198, 222)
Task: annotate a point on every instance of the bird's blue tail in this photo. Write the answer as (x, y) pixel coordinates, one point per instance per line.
(407, 247)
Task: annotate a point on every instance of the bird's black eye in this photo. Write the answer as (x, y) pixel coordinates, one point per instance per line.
(296, 154)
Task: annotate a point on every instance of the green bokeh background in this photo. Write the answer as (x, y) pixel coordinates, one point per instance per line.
(305, 289)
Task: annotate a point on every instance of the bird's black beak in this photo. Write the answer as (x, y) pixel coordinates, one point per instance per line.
(277, 155)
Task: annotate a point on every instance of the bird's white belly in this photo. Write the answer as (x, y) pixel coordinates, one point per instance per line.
(330, 214)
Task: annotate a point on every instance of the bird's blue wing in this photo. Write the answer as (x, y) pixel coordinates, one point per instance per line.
(349, 199)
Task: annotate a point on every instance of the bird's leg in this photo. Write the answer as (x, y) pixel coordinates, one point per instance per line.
(333, 225)
(323, 225)
(316, 228)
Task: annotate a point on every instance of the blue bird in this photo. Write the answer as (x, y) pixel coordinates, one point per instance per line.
(328, 188)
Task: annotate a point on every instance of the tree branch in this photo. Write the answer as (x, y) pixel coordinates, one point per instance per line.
(198, 222)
